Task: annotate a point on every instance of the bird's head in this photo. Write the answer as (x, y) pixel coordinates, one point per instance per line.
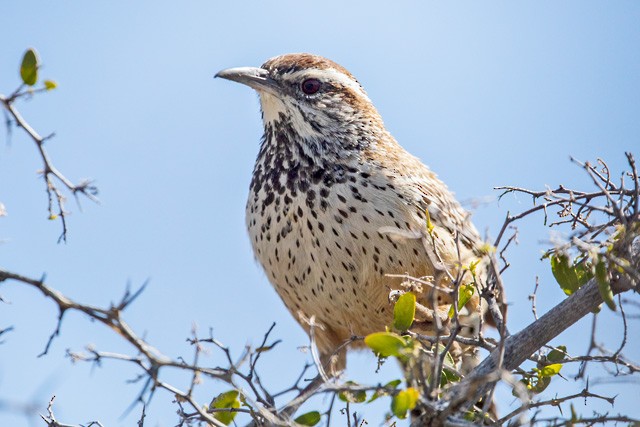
(316, 97)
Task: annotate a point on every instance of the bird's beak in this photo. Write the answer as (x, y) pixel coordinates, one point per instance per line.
(256, 78)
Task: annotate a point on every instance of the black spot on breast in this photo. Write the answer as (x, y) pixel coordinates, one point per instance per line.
(268, 200)
(316, 175)
(309, 203)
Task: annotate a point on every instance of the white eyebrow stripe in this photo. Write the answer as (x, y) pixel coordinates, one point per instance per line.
(329, 74)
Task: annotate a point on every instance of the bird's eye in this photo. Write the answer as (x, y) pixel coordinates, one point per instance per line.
(310, 86)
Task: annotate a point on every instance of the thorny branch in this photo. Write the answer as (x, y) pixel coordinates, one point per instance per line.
(51, 421)
(604, 224)
(585, 393)
(50, 174)
(151, 361)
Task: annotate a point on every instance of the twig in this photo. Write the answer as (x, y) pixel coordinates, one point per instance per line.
(49, 171)
(585, 393)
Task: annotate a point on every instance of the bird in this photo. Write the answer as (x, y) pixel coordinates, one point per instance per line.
(340, 215)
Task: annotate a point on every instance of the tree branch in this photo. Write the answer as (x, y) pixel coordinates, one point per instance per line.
(85, 188)
(519, 347)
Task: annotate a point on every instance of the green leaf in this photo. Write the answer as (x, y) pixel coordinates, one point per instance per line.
(448, 358)
(385, 344)
(604, 286)
(309, 419)
(352, 396)
(50, 84)
(473, 265)
(557, 354)
(29, 67)
(487, 249)
(225, 400)
(465, 292)
(391, 384)
(404, 401)
(561, 271)
(448, 374)
(404, 311)
(470, 416)
(583, 272)
(430, 225)
(550, 370)
(569, 277)
(447, 377)
(539, 384)
(540, 378)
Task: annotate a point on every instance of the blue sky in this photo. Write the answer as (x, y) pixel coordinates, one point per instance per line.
(486, 93)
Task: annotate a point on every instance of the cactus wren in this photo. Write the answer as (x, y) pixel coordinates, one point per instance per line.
(336, 206)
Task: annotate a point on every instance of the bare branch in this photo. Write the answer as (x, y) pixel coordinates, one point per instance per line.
(49, 171)
(585, 393)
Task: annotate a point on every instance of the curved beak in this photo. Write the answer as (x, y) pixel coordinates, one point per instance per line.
(256, 78)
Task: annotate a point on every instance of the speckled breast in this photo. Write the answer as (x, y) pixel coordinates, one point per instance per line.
(315, 232)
